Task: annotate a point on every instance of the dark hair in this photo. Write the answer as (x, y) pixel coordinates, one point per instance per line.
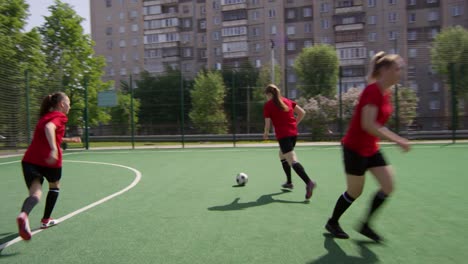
(50, 102)
(277, 98)
(379, 61)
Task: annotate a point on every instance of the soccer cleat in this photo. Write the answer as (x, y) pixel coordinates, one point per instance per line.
(23, 226)
(46, 223)
(309, 188)
(368, 232)
(335, 230)
(287, 185)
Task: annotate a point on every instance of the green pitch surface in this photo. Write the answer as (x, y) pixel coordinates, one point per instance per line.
(187, 209)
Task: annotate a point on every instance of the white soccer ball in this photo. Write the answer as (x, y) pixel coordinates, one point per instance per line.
(242, 178)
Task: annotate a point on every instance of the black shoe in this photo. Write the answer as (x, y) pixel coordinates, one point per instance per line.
(335, 230)
(368, 232)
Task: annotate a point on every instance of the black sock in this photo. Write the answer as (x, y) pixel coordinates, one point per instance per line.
(29, 204)
(343, 203)
(301, 172)
(52, 196)
(379, 199)
(287, 170)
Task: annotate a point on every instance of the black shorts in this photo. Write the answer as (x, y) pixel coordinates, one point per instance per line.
(356, 164)
(287, 144)
(31, 172)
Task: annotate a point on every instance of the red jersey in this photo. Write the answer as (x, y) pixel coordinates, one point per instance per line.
(284, 122)
(356, 138)
(39, 150)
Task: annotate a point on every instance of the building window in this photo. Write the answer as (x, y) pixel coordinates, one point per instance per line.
(370, 3)
(109, 44)
(412, 18)
(108, 3)
(272, 13)
(456, 11)
(135, 27)
(392, 17)
(307, 11)
(255, 15)
(216, 35)
(434, 105)
(291, 46)
(392, 2)
(412, 35)
(308, 28)
(307, 43)
(372, 36)
(258, 47)
(109, 58)
(291, 14)
(273, 29)
(371, 20)
(109, 31)
(122, 29)
(411, 2)
(433, 16)
(392, 35)
(291, 30)
(324, 23)
(290, 62)
(324, 7)
(134, 42)
(122, 43)
(123, 71)
(431, 1)
(412, 53)
(433, 33)
(258, 63)
(123, 57)
(435, 87)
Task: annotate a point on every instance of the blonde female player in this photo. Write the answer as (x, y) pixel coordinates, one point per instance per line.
(360, 144)
(280, 111)
(43, 159)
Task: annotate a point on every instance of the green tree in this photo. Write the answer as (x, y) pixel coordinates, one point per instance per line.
(121, 114)
(317, 69)
(241, 83)
(451, 47)
(71, 64)
(407, 106)
(20, 53)
(208, 94)
(160, 100)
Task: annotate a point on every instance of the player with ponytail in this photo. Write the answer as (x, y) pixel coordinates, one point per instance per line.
(281, 112)
(43, 159)
(361, 151)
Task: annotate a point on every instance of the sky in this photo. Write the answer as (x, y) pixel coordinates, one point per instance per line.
(39, 8)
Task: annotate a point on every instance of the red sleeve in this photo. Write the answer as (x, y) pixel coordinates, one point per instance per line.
(59, 121)
(371, 96)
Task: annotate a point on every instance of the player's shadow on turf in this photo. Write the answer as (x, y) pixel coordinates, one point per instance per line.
(5, 237)
(262, 200)
(337, 255)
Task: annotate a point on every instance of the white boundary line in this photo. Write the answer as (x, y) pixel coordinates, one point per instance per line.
(103, 200)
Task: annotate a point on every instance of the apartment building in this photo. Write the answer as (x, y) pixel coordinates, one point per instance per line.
(136, 35)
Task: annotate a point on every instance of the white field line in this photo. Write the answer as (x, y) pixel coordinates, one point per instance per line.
(103, 200)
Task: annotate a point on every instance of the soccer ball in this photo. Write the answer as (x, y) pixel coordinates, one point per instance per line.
(242, 178)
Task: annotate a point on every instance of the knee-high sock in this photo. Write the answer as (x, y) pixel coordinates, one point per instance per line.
(287, 170)
(52, 196)
(29, 204)
(342, 204)
(379, 199)
(301, 172)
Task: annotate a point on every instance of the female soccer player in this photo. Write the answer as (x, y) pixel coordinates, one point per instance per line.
(360, 144)
(43, 159)
(280, 111)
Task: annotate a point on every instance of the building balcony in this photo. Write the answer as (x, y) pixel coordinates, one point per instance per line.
(352, 62)
(172, 44)
(234, 7)
(161, 16)
(162, 30)
(159, 2)
(235, 38)
(356, 26)
(349, 9)
(236, 54)
(235, 23)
